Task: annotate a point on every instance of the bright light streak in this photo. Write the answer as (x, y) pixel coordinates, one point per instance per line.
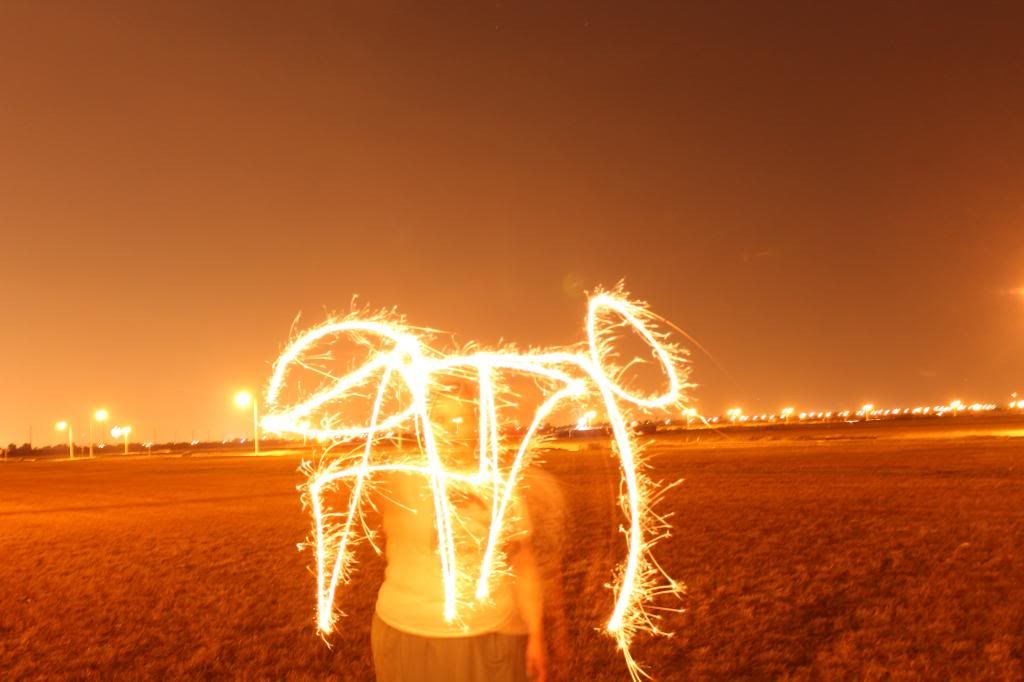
(402, 368)
(584, 422)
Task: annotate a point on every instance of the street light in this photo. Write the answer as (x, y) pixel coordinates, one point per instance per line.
(119, 431)
(100, 415)
(65, 426)
(690, 413)
(244, 399)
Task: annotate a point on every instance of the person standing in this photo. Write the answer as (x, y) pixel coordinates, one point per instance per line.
(500, 639)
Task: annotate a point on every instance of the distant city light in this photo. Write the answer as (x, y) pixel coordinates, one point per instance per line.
(868, 411)
(244, 399)
(63, 425)
(584, 422)
(100, 415)
(122, 432)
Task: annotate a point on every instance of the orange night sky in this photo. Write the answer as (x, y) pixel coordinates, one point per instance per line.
(830, 200)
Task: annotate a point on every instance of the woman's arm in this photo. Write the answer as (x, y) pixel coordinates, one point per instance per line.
(531, 608)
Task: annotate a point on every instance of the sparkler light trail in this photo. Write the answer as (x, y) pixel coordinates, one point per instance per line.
(403, 379)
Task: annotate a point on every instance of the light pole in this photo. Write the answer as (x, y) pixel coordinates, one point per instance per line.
(690, 413)
(66, 426)
(100, 415)
(242, 400)
(119, 431)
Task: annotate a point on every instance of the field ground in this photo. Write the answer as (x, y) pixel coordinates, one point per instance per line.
(836, 556)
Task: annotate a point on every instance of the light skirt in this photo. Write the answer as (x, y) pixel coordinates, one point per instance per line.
(401, 657)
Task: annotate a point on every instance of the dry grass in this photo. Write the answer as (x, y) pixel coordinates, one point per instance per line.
(877, 559)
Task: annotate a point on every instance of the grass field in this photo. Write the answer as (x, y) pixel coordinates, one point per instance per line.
(834, 558)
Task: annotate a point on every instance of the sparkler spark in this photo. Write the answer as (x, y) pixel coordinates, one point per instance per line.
(403, 378)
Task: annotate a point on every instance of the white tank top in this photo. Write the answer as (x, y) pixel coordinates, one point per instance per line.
(411, 599)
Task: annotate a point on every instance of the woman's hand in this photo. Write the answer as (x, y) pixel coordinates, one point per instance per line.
(536, 659)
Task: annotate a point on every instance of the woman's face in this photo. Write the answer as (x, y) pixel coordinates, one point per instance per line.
(454, 414)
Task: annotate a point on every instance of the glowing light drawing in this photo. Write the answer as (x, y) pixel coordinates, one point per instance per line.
(404, 377)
